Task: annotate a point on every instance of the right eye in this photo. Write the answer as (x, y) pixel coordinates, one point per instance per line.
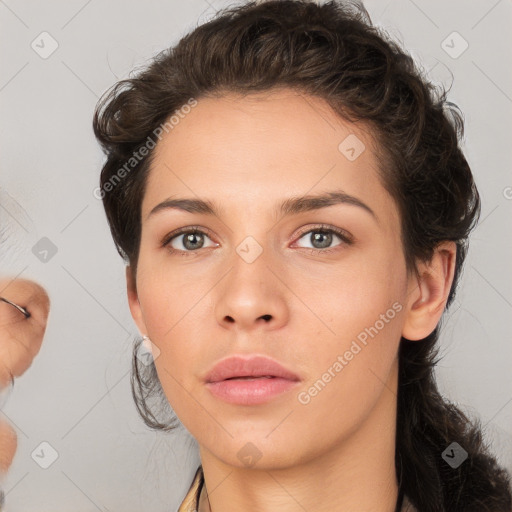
(186, 240)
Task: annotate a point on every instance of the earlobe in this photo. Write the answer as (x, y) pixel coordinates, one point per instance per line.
(133, 300)
(429, 291)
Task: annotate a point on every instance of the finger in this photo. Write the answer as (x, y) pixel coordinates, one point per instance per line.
(8, 445)
(12, 366)
(18, 348)
(21, 339)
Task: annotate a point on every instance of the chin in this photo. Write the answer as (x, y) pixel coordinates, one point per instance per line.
(259, 451)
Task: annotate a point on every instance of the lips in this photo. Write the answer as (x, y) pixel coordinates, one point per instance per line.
(241, 368)
(252, 381)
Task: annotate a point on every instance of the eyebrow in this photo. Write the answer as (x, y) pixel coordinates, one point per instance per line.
(290, 206)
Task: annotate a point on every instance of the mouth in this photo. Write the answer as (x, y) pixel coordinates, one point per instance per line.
(249, 381)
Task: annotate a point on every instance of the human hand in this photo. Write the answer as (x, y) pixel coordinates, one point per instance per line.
(23, 321)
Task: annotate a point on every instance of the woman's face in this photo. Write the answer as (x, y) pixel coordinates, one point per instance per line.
(262, 278)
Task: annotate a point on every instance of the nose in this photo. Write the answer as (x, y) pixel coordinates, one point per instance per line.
(251, 296)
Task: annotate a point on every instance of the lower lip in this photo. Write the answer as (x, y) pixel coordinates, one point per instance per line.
(250, 391)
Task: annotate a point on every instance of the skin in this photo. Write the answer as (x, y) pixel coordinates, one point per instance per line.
(20, 341)
(248, 155)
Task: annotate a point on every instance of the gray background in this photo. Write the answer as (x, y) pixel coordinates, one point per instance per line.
(76, 396)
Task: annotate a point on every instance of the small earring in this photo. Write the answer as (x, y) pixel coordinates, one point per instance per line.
(146, 342)
(150, 347)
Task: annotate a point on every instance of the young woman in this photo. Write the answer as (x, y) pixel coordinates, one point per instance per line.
(293, 207)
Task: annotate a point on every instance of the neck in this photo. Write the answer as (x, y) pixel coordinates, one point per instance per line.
(356, 474)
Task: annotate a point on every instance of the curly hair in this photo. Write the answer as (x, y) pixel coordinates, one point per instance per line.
(334, 52)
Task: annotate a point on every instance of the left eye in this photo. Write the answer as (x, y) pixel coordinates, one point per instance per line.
(322, 238)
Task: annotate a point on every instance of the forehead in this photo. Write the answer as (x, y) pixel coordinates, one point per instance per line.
(254, 150)
(305, 125)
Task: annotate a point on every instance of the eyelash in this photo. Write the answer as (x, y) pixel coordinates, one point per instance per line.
(345, 237)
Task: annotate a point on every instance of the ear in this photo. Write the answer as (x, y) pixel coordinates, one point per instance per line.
(133, 301)
(428, 292)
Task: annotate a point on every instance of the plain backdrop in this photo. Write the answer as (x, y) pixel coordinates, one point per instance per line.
(76, 396)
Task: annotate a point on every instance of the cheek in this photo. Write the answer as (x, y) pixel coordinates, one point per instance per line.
(359, 322)
(171, 319)
(169, 297)
(170, 305)
(350, 370)
(352, 297)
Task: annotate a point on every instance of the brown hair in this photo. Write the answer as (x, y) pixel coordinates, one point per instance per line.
(331, 51)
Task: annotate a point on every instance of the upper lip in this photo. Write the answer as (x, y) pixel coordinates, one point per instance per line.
(254, 366)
